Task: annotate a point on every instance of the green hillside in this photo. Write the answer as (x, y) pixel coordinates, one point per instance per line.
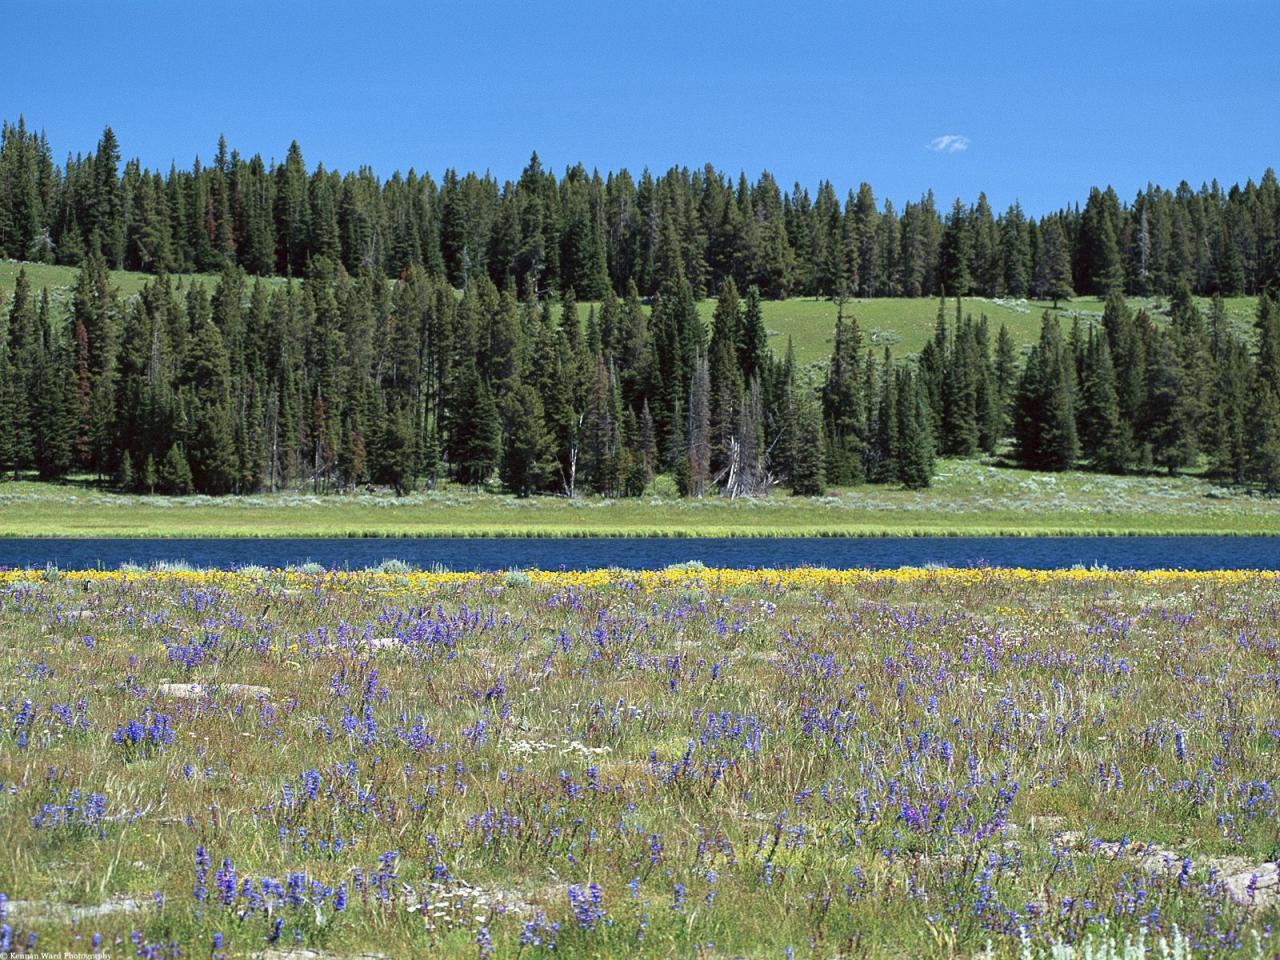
(900, 323)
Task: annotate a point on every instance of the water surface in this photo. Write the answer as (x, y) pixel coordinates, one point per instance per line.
(1137, 553)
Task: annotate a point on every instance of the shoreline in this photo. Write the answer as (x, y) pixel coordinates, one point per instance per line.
(555, 533)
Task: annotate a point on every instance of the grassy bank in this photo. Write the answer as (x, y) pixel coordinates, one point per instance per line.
(924, 763)
(968, 499)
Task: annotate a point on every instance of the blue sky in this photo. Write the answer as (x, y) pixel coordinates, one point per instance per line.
(1049, 97)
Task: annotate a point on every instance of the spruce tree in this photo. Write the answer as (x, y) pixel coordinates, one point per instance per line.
(888, 425)
(915, 441)
(56, 414)
(1263, 421)
(527, 453)
(1052, 280)
(957, 253)
(753, 346)
(124, 475)
(1128, 356)
(807, 475)
(1264, 453)
(602, 456)
(1170, 416)
(1005, 375)
(843, 404)
(9, 397)
(210, 448)
(698, 449)
(475, 435)
(395, 457)
(960, 422)
(174, 475)
(1232, 404)
(1104, 435)
(1044, 421)
(23, 351)
(726, 376)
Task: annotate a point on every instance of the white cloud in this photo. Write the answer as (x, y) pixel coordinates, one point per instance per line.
(949, 143)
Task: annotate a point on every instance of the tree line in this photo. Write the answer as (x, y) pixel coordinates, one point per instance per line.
(590, 233)
(339, 380)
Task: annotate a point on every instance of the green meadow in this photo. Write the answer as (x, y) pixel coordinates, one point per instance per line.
(968, 498)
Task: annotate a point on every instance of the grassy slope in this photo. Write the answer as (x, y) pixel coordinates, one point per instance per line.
(902, 324)
(968, 499)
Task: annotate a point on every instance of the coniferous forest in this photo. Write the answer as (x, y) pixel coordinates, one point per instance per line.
(430, 331)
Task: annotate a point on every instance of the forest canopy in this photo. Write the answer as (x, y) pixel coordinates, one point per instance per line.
(429, 331)
(588, 231)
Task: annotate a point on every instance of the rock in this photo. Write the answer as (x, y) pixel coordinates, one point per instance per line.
(1249, 886)
(53, 911)
(1047, 824)
(198, 691)
(1226, 866)
(1256, 887)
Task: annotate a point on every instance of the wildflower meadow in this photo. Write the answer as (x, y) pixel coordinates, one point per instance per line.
(692, 762)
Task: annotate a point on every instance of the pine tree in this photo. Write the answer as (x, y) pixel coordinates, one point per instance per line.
(475, 434)
(1052, 279)
(957, 253)
(1267, 330)
(124, 475)
(698, 450)
(807, 476)
(843, 404)
(1015, 252)
(23, 350)
(174, 475)
(602, 423)
(1169, 414)
(1045, 422)
(1264, 458)
(646, 444)
(726, 377)
(888, 425)
(753, 346)
(746, 475)
(395, 455)
(56, 414)
(1263, 421)
(1128, 355)
(1176, 386)
(9, 397)
(915, 442)
(527, 453)
(292, 214)
(430, 462)
(960, 420)
(210, 448)
(1005, 380)
(1104, 435)
(1232, 404)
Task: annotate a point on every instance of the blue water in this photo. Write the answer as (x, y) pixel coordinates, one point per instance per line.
(1138, 553)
